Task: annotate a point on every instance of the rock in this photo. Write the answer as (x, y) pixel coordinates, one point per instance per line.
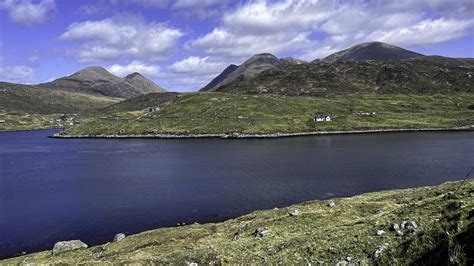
(64, 246)
(399, 233)
(261, 232)
(191, 263)
(394, 227)
(331, 204)
(409, 225)
(380, 232)
(119, 237)
(379, 250)
(348, 259)
(294, 213)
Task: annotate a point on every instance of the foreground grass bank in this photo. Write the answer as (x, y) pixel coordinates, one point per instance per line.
(221, 113)
(319, 233)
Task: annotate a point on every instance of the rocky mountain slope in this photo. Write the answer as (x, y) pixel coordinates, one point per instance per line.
(98, 81)
(418, 75)
(249, 69)
(220, 78)
(369, 51)
(143, 84)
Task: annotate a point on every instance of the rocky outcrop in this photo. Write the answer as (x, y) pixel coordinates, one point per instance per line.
(64, 246)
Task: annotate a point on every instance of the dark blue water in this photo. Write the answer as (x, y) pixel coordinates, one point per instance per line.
(91, 189)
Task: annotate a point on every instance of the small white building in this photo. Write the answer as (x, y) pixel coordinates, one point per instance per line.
(322, 118)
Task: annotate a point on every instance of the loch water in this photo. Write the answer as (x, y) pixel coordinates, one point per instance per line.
(91, 189)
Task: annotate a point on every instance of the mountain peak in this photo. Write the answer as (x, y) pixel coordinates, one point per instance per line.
(370, 51)
(143, 84)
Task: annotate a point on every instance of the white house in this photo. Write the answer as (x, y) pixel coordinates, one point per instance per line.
(322, 118)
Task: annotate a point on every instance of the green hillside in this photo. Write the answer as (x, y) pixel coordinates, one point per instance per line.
(216, 113)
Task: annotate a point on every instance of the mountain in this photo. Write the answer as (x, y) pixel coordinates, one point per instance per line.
(249, 69)
(430, 74)
(369, 51)
(143, 84)
(98, 81)
(220, 78)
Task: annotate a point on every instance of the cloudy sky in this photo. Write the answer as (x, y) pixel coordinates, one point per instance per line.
(183, 44)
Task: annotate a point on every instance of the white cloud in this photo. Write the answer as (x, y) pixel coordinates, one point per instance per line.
(289, 26)
(424, 32)
(120, 36)
(135, 66)
(16, 73)
(197, 66)
(27, 13)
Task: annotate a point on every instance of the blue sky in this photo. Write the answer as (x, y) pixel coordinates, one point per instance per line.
(183, 44)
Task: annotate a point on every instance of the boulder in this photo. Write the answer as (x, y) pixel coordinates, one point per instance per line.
(64, 246)
(261, 232)
(294, 213)
(119, 237)
(394, 227)
(409, 225)
(380, 232)
(331, 204)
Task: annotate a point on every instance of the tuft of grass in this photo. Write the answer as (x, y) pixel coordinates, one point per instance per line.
(318, 234)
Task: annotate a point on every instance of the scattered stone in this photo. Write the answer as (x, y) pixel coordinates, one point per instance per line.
(261, 232)
(214, 99)
(380, 232)
(331, 204)
(394, 227)
(399, 233)
(409, 225)
(2, 121)
(294, 213)
(119, 237)
(191, 263)
(348, 259)
(379, 250)
(64, 246)
(238, 232)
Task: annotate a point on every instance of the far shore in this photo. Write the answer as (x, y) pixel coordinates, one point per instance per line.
(256, 136)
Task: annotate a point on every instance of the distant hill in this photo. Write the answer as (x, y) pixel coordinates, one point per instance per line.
(430, 74)
(249, 69)
(98, 81)
(369, 51)
(143, 84)
(220, 78)
(15, 98)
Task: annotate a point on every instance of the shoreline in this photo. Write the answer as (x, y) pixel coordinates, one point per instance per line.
(278, 220)
(60, 135)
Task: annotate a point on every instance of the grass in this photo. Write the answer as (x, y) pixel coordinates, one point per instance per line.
(318, 234)
(29, 107)
(215, 113)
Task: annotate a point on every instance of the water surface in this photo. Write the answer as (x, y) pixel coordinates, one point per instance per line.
(91, 189)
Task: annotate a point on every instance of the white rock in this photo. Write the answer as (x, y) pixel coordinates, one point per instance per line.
(64, 246)
(119, 237)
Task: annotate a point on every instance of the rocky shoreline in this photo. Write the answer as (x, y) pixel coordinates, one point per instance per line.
(250, 136)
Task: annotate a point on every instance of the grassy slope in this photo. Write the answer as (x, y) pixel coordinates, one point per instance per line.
(320, 233)
(260, 114)
(29, 107)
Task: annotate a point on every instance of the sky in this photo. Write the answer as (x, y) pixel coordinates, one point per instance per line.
(183, 44)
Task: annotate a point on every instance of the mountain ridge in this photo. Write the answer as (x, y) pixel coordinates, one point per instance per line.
(98, 81)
